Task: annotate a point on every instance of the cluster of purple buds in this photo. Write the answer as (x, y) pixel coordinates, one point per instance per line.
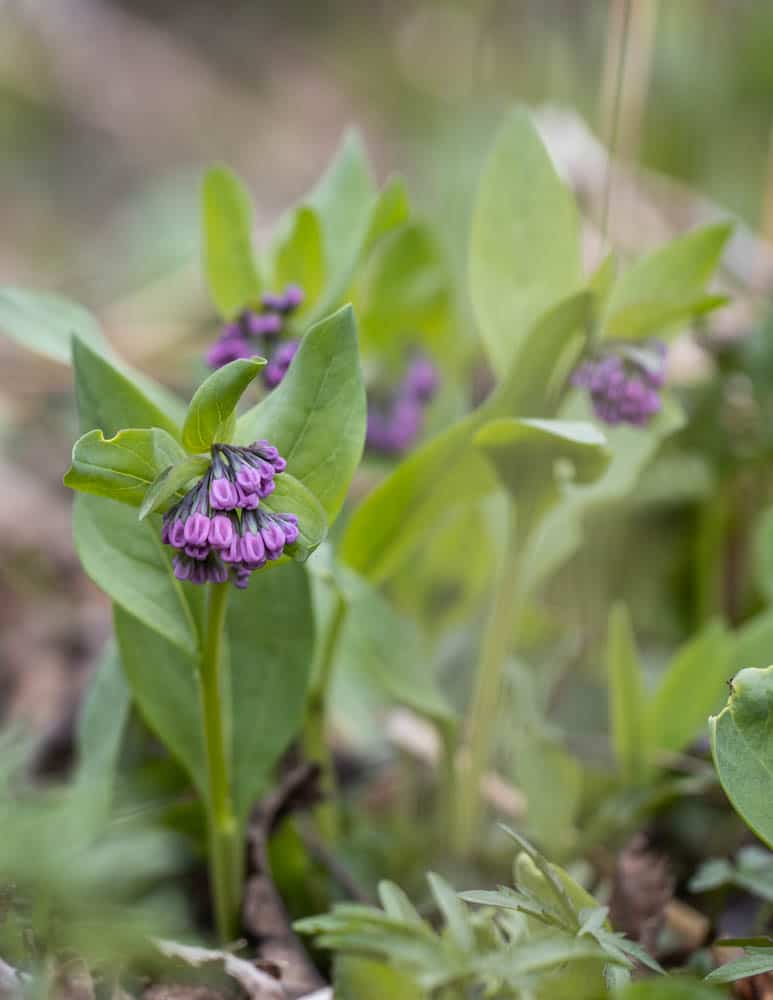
(625, 388)
(259, 332)
(219, 528)
(393, 429)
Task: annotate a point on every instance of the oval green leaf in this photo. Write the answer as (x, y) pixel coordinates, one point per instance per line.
(232, 274)
(46, 324)
(210, 414)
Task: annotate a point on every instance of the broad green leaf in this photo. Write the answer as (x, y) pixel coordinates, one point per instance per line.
(316, 417)
(367, 647)
(525, 452)
(164, 686)
(671, 275)
(368, 979)
(754, 641)
(742, 739)
(121, 467)
(125, 557)
(291, 497)
(689, 690)
(626, 694)
(170, 482)
(271, 644)
(391, 210)
(403, 293)
(448, 470)
(232, 274)
(101, 727)
(646, 318)
(344, 200)
(299, 257)
(110, 396)
(756, 962)
(524, 245)
(46, 324)
(210, 415)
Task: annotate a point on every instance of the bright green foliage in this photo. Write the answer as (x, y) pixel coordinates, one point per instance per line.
(626, 695)
(170, 483)
(756, 961)
(299, 256)
(47, 323)
(673, 988)
(210, 416)
(110, 396)
(127, 559)
(666, 287)
(232, 273)
(316, 417)
(741, 742)
(524, 246)
(122, 467)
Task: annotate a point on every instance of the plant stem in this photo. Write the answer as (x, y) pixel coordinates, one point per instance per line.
(225, 849)
(315, 734)
(622, 42)
(493, 654)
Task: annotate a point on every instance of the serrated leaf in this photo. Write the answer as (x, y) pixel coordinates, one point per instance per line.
(121, 467)
(232, 274)
(524, 244)
(169, 483)
(210, 415)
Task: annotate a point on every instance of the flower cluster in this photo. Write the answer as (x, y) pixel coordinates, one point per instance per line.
(260, 333)
(625, 389)
(394, 427)
(219, 528)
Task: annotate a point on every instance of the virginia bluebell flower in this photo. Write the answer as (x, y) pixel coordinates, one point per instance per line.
(219, 529)
(625, 387)
(394, 427)
(260, 333)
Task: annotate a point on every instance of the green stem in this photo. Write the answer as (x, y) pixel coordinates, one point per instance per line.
(612, 146)
(483, 710)
(315, 731)
(225, 860)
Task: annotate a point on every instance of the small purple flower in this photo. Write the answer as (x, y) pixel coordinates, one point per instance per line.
(625, 388)
(276, 370)
(212, 545)
(394, 428)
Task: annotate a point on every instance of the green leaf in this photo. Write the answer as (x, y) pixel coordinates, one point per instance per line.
(291, 497)
(125, 557)
(121, 467)
(673, 988)
(395, 903)
(367, 979)
(344, 200)
(110, 396)
(367, 650)
(299, 257)
(316, 417)
(754, 640)
(626, 694)
(390, 211)
(672, 275)
(763, 554)
(690, 688)
(756, 962)
(210, 415)
(232, 274)
(524, 246)
(164, 686)
(101, 728)
(170, 482)
(524, 453)
(457, 919)
(646, 318)
(448, 470)
(741, 742)
(46, 324)
(271, 644)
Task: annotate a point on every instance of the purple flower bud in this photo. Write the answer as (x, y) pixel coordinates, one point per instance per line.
(242, 577)
(197, 529)
(221, 532)
(228, 349)
(273, 537)
(267, 487)
(247, 501)
(271, 300)
(222, 494)
(253, 549)
(233, 552)
(248, 478)
(624, 387)
(182, 568)
(177, 534)
(268, 451)
(407, 419)
(292, 298)
(260, 324)
(422, 379)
